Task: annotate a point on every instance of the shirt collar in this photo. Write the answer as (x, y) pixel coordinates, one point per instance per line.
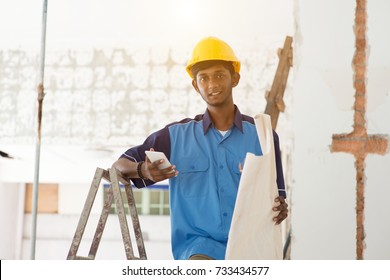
(207, 122)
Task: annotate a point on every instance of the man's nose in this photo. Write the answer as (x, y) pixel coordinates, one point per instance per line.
(213, 83)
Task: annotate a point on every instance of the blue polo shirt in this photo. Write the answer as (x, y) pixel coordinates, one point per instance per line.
(203, 195)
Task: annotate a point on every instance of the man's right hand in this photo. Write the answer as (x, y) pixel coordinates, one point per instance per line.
(151, 170)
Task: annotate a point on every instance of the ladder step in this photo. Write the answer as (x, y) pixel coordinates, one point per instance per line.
(83, 258)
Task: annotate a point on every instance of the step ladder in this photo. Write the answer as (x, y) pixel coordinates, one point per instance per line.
(113, 192)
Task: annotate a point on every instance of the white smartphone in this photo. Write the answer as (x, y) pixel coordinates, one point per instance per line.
(154, 156)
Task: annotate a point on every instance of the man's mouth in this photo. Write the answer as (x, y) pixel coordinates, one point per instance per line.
(215, 93)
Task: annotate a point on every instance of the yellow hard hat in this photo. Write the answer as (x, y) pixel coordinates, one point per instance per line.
(212, 48)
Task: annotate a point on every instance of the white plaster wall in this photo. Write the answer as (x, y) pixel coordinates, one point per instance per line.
(323, 210)
(378, 175)
(55, 233)
(11, 219)
(76, 193)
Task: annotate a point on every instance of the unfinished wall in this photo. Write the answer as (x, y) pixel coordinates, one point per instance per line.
(111, 82)
(324, 192)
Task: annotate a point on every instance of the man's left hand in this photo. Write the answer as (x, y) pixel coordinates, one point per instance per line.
(282, 208)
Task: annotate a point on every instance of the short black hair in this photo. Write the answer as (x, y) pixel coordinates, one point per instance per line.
(209, 63)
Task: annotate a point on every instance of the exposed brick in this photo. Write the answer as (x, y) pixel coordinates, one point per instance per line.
(360, 31)
(360, 130)
(360, 87)
(361, 4)
(361, 17)
(377, 144)
(360, 104)
(359, 118)
(359, 58)
(361, 43)
(360, 72)
(345, 143)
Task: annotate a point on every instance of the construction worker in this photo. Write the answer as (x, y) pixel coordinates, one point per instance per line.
(205, 152)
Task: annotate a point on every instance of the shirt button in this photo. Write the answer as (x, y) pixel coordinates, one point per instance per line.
(221, 166)
(225, 214)
(222, 189)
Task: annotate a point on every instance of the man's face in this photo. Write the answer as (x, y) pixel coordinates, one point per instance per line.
(215, 85)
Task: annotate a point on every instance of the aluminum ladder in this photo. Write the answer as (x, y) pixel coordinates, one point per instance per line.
(114, 192)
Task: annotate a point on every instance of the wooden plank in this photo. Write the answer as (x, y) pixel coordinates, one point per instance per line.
(274, 97)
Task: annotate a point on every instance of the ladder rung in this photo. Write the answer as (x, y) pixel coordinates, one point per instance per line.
(83, 258)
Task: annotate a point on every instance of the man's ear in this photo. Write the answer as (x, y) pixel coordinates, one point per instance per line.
(195, 85)
(235, 79)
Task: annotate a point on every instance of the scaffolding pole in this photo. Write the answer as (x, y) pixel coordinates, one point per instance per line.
(40, 90)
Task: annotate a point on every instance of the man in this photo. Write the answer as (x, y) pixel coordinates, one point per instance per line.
(206, 153)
